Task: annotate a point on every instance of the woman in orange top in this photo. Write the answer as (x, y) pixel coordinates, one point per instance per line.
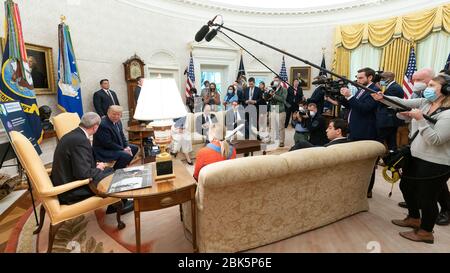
(217, 150)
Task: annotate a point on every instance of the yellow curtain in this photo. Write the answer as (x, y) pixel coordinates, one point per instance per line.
(395, 58)
(416, 26)
(341, 63)
(393, 35)
(381, 32)
(446, 18)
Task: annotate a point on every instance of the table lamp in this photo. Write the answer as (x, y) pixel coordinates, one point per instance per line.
(160, 102)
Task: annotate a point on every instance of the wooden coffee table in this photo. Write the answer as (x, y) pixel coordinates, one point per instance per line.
(248, 146)
(162, 195)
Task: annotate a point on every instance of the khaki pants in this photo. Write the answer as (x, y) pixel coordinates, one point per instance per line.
(277, 121)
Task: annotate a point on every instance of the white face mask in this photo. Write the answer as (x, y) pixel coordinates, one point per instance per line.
(312, 114)
(275, 84)
(419, 86)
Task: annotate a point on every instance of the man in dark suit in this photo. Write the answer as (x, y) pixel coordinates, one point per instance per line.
(362, 116)
(387, 121)
(104, 98)
(336, 133)
(294, 98)
(110, 143)
(74, 160)
(137, 90)
(251, 99)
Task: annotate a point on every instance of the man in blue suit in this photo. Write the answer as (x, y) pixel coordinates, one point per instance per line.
(362, 119)
(362, 116)
(110, 143)
(387, 121)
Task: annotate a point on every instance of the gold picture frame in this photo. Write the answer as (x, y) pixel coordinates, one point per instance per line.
(304, 74)
(40, 59)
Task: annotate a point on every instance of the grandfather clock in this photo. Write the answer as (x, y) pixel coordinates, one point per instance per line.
(134, 68)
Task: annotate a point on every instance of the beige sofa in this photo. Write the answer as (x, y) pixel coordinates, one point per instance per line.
(250, 202)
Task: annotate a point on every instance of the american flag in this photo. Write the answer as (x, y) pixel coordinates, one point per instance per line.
(283, 74)
(407, 81)
(190, 74)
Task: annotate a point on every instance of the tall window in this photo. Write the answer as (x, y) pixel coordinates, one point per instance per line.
(213, 76)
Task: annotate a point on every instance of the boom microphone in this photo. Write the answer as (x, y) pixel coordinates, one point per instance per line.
(204, 30)
(201, 33)
(211, 35)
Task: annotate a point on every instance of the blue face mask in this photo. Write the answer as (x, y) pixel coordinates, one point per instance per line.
(383, 83)
(430, 94)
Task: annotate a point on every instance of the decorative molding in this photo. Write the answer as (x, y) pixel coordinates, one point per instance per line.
(277, 12)
(339, 14)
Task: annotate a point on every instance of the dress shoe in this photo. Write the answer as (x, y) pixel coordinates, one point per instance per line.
(443, 219)
(281, 145)
(403, 205)
(419, 236)
(128, 206)
(407, 222)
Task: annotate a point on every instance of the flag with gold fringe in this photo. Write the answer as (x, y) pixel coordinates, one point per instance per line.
(16, 83)
(69, 90)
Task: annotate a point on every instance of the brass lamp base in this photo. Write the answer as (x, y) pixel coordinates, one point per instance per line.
(164, 166)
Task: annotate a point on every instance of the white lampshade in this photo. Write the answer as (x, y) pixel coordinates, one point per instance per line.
(159, 99)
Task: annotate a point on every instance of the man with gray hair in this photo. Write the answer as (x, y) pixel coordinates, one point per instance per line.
(110, 143)
(421, 79)
(74, 160)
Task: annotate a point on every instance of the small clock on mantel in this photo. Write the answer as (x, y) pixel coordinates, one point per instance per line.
(134, 68)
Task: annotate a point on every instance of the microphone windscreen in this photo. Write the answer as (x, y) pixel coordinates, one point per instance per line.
(211, 35)
(202, 33)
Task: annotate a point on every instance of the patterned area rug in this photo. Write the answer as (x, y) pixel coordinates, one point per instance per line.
(95, 232)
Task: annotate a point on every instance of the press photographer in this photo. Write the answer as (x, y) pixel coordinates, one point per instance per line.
(277, 99)
(314, 122)
(427, 171)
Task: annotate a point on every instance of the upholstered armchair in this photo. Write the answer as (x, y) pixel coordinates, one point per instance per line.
(48, 194)
(65, 123)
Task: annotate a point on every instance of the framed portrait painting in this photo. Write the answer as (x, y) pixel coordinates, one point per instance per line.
(302, 73)
(40, 60)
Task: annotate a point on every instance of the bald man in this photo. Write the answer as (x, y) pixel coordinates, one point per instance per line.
(110, 143)
(421, 79)
(386, 118)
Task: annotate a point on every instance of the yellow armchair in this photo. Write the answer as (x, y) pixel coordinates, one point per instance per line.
(65, 123)
(48, 194)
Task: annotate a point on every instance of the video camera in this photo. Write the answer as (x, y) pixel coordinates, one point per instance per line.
(332, 87)
(377, 77)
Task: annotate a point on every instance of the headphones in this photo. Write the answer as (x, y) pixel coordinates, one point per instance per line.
(445, 90)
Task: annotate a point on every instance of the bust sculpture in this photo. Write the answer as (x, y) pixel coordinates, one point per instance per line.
(45, 113)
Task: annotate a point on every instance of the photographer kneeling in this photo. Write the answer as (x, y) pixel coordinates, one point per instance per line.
(315, 123)
(427, 171)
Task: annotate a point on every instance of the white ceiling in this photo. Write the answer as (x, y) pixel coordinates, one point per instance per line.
(285, 4)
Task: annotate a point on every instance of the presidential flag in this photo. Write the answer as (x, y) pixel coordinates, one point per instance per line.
(241, 77)
(283, 74)
(190, 75)
(69, 90)
(17, 83)
(447, 64)
(411, 69)
(324, 66)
